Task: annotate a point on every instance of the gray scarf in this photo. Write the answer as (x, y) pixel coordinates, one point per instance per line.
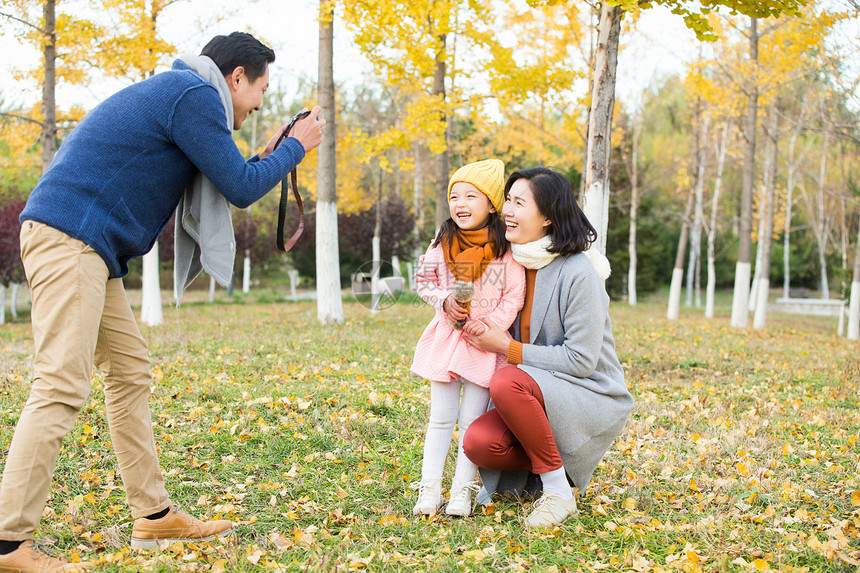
(204, 224)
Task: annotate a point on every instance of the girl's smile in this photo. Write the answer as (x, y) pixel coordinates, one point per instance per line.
(469, 207)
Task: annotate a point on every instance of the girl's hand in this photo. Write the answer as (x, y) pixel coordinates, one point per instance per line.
(475, 327)
(454, 311)
(491, 338)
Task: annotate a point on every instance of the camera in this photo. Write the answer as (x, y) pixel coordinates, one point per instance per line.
(286, 133)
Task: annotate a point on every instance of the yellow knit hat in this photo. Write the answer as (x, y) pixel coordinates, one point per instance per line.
(488, 176)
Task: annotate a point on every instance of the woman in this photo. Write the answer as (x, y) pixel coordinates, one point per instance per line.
(562, 400)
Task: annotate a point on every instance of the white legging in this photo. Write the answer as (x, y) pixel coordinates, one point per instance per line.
(445, 409)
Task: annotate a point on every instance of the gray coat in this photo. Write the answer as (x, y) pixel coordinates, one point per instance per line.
(571, 355)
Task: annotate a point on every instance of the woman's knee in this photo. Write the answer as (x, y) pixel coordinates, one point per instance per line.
(508, 385)
(475, 444)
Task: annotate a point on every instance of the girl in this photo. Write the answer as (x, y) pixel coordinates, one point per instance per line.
(468, 272)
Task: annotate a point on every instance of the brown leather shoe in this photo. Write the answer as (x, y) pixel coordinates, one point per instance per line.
(176, 526)
(31, 557)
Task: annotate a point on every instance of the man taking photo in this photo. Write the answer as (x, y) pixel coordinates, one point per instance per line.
(112, 187)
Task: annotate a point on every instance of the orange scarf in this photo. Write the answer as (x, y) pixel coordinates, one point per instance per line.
(469, 254)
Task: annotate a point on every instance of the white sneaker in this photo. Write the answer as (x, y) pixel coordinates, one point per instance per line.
(460, 502)
(550, 510)
(429, 497)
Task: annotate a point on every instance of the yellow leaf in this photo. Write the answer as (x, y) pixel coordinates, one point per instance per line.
(742, 469)
(693, 485)
(855, 498)
(475, 554)
(629, 503)
(761, 565)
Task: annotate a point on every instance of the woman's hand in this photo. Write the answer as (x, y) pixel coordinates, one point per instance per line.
(454, 311)
(485, 335)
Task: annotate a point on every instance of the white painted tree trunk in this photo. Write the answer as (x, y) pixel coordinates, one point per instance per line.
(13, 300)
(211, 289)
(854, 310)
(246, 274)
(2, 304)
(329, 303)
(854, 300)
(596, 200)
(760, 316)
(374, 276)
(740, 311)
(674, 309)
(410, 271)
(712, 231)
(294, 282)
(150, 301)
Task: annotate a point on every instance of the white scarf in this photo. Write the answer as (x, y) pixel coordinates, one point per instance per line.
(535, 255)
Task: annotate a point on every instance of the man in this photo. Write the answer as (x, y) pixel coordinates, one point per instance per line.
(112, 187)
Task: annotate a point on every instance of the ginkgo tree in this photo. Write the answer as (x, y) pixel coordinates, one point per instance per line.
(695, 15)
(410, 44)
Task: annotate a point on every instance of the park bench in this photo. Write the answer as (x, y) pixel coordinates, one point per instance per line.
(813, 306)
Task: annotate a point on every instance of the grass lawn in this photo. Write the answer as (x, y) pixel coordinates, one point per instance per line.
(741, 453)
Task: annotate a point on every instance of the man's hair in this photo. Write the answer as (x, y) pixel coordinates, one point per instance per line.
(239, 49)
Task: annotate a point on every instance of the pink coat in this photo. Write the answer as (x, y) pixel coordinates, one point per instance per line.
(443, 354)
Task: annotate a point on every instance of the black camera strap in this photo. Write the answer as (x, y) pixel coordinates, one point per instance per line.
(282, 206)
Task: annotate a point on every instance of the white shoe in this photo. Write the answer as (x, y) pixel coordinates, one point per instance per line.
(429, 497)
(460, 502)
(550, 510)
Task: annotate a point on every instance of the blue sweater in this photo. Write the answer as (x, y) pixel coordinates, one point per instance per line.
(118, 177)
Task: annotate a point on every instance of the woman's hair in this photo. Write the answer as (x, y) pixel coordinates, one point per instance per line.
(239, 49)
(569, 231)
(449, 230)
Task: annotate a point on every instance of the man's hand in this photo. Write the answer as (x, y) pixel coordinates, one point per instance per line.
(308, 131)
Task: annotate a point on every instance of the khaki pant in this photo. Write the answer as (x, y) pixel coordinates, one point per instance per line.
(79, 317)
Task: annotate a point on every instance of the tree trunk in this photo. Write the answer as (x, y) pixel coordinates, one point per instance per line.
(2, 304)
(696, 231)
(150, 302)
(740, 298)
(854, 301)
(443, 167)
(678, 272)
(634, 212)
(712, 231)
(789, 205)
(329, 303)
(13, 300)
(377, 251)
(418, 203)
(765, 240)
(596, 203)
(48, 137)
(821, 227)
(762, 219)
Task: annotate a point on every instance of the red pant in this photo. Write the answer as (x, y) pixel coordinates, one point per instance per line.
(516, 434)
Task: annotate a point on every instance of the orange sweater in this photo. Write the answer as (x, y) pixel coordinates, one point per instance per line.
(515, 348)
